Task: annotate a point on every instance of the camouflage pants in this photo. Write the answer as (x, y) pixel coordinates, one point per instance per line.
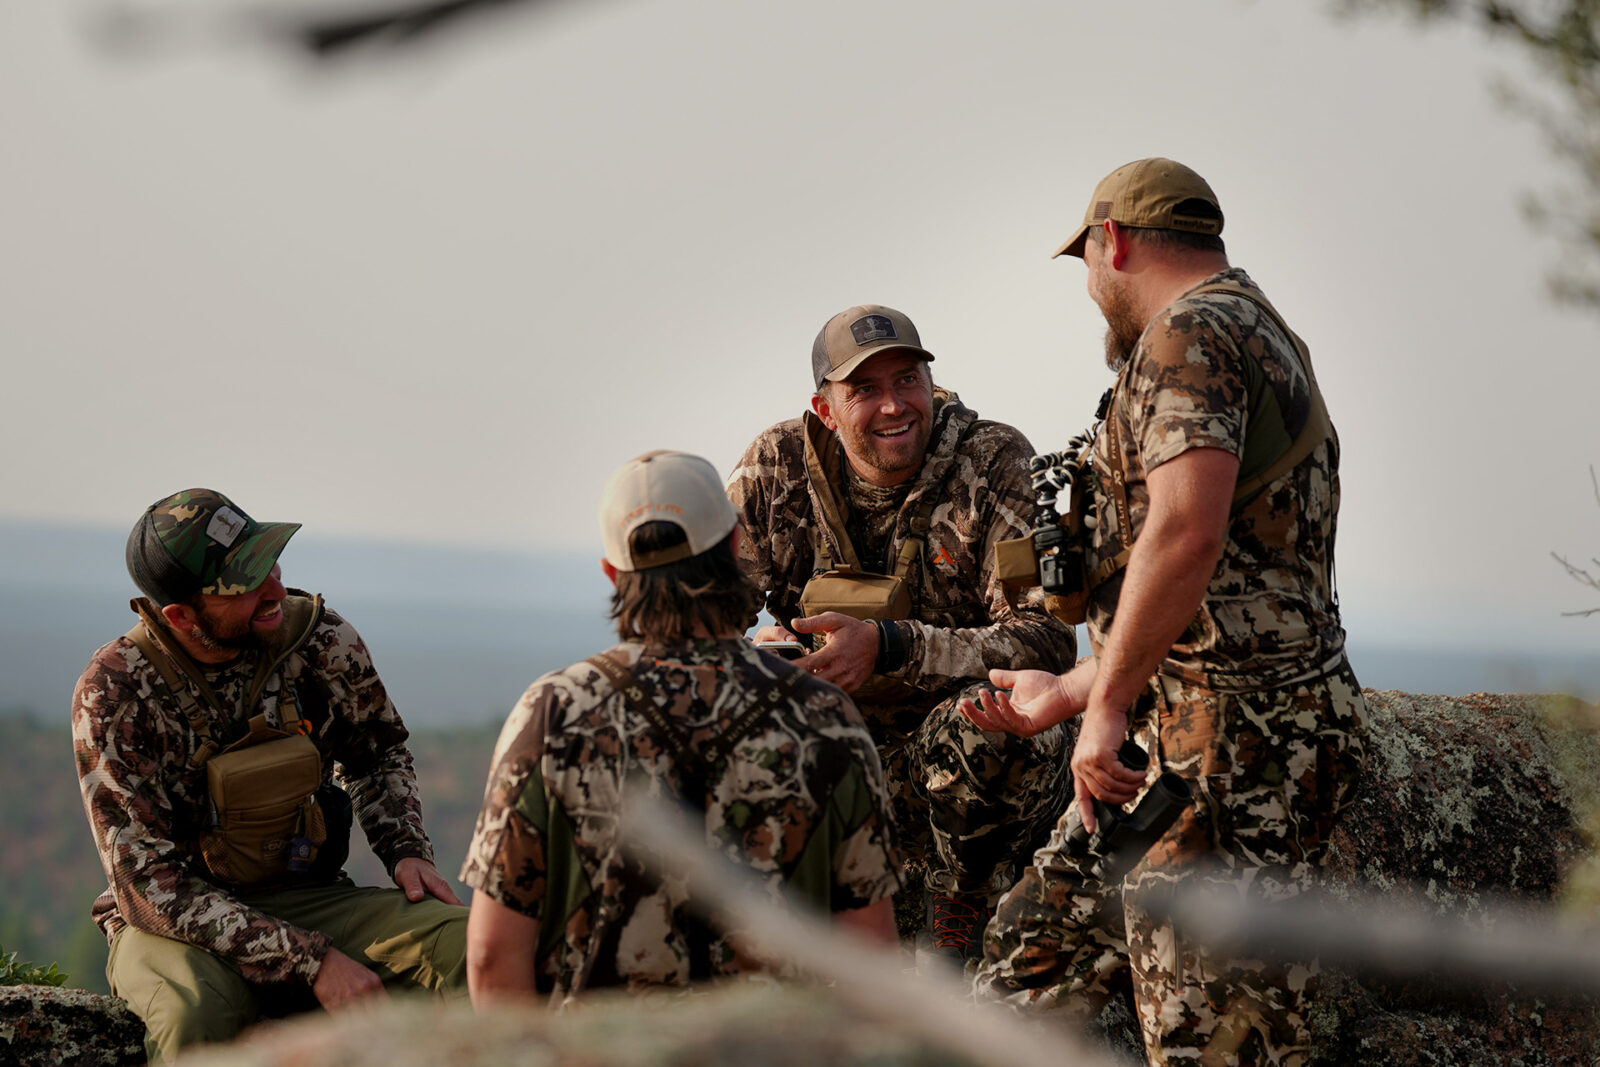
(187, 995)
(1270, 772)
(973, 805)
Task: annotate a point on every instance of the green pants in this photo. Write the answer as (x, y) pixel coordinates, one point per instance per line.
(187, 995)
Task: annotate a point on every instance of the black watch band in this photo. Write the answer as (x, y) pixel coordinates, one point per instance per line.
(892, 647)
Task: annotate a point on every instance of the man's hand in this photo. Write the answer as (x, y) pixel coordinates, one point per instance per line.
(1096, 770)
(342, 982)
(850, 653)
(773, 633)
(1030, 702)
(420, 878)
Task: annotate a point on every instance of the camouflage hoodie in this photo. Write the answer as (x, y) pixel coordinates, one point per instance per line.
(961, 626)
(145, 806)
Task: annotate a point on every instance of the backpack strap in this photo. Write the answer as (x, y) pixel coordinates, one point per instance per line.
(1318, 427)
(184, 678)
(822, 448)
(709, 760)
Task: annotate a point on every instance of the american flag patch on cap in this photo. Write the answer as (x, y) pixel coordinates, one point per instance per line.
(872, 328)
(1102, 210)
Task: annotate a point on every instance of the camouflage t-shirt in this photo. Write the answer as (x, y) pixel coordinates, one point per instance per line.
(1207, 370)
(960, 625)
(145, 806)
(801, 801)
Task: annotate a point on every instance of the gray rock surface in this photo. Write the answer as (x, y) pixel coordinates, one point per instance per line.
(43, 1026)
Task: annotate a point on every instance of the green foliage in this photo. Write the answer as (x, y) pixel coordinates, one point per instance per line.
(1561, 38)
(13, 972)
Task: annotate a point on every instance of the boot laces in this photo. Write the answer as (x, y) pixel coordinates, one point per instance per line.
(955, 922)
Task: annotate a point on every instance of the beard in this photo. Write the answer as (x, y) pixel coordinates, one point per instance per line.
(220, 639)
(1123, 328)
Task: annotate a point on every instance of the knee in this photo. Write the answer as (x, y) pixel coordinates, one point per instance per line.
(180, 1014)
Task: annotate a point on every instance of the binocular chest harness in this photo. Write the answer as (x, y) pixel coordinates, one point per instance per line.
(1054, 556)
(271, 820)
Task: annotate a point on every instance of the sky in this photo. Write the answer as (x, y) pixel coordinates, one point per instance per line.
(436, 295)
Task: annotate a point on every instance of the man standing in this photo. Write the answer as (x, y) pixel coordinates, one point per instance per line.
(872, 521)
(207, 741)
(687, 710)
(1216, 634)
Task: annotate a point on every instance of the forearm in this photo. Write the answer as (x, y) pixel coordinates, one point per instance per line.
(937, 657)
(1166, 579)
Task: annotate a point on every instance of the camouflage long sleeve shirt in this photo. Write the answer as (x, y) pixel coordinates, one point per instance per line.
(960, 625)
(146, 807)
(800, 800)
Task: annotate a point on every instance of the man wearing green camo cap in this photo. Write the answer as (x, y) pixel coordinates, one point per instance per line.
(234, 693)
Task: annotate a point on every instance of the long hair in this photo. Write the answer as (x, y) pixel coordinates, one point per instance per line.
(665, 604)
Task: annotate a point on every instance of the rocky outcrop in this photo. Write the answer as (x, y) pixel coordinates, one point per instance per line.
(1469, 803)
(43, 1026)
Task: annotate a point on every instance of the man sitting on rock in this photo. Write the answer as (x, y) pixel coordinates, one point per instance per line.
(207, 741)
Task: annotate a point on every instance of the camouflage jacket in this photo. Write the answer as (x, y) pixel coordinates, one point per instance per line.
(961, 625)
(1207, 369)
(146, 807)
(802, 801)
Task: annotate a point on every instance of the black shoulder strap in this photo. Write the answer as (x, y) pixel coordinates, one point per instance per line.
(710, 760)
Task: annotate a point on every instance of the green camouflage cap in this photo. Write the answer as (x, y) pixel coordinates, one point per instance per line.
(211, 539)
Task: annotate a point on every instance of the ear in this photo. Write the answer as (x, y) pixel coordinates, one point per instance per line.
(736, 538)
(1117, 244)
(608, 570)
(823, 410)
(181, 617)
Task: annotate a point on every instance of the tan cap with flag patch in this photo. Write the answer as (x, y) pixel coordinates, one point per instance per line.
(1148, 193)
(857, 334)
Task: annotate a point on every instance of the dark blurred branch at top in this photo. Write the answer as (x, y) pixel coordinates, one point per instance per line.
(321, 31)
(1562, 38)
(330, 35)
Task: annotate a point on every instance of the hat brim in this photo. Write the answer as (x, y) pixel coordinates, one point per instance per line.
(847, 368)
(1075, 243)
(252, 560)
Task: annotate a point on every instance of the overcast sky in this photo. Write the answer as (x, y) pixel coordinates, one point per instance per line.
(437, 296)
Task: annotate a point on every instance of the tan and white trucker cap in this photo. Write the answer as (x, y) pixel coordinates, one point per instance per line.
(664, 486)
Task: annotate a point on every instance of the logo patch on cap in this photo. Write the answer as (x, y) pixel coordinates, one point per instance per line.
(1102, 210)
(872, 328)
(225, 526)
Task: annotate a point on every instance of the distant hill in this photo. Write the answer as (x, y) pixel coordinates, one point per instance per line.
(457, 634)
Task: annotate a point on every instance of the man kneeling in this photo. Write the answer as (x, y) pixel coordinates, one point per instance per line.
(779, 762)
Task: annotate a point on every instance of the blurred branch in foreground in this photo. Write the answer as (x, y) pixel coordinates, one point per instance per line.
(938, 1006)
(1515, 943)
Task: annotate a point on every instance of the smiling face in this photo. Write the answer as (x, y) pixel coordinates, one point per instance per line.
(883, 414)
(227, 624)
